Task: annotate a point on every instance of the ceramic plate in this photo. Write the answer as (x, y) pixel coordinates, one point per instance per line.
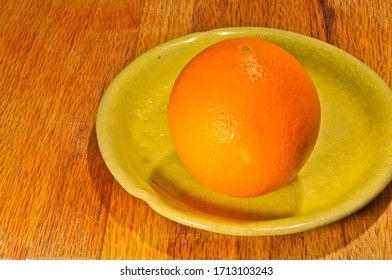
(351, 163)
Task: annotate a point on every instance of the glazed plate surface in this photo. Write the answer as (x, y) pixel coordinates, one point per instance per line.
(350, 165)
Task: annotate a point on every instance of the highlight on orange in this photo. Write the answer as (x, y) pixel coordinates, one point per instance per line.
(244, 117)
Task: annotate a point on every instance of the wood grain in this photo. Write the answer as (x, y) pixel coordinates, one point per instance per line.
(57, 198)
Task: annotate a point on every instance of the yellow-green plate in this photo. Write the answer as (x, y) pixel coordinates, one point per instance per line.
(351, 163)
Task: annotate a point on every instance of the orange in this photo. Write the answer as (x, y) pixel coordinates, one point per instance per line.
(244, 116)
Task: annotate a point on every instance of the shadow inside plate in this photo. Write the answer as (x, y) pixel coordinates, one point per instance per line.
(187, 194)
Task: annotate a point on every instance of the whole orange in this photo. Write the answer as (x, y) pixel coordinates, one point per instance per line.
(244, 116)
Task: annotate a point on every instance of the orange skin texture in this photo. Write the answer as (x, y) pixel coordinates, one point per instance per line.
(244, 117)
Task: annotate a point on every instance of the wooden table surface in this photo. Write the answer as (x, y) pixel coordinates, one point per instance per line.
(57, 198)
